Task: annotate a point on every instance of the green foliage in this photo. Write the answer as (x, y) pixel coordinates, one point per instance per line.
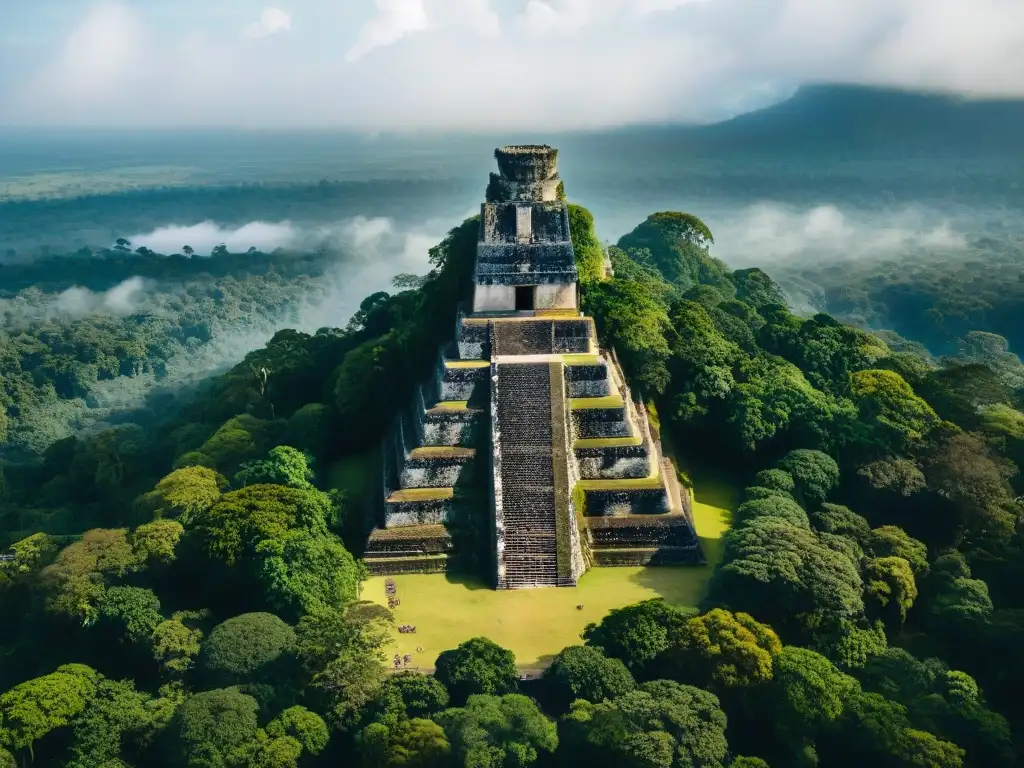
(889, 583)
(155, 543)
(418, 743)
(133, 612)
(814, 473)
(755, 288)
(678, 244)
(785, 575)
(250, 647)
(774, 507)
(216, 729)
(115, 712)
(891, 541)
(661, 724)
(284, 465)
(583, 672)
(477, 666)
(776, 479)
(304, 726)
(175, 645)
(961, 603)
(895, 418)
(722, 650)
(76, 578)
(421, 695)
(306, 573)
(944, 702)
(842, 521)
(636, 634)
(498, 730)
(810, 691)
(585, 245)
(32, 709)
(243, 519)
(184, 494)
(849, 646)
(630, 319)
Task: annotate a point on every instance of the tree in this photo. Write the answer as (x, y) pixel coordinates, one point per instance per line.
(188, 250)
(585, 245)
(421, 695)
(498, 730)
(32, 709)
(155, 542)
(365, 390)
(583, 672)
(891, 541)
(894, 418)
(242, 519)
(632, 320)
(776, 479)
(876, 731)
(900, 477)
(964, 472)
(132, 611)
(842, 521)
(216, 729)
(889, 583)
(678, 244)
(662, 723)
(305, 572)
(418, 743)
(636, 634)
(786, 576)
(247, 648)
(346, 684)
(115, 711)
(754, 287)
(477, 666)
(703, 362)
(306, 727)
(184, 494)
(810, 692)
(175, 645)
(721, 650)
(284, 465)
(775, 507)
(814, 473)
(75, 580)
(960, 604)
(850, 645)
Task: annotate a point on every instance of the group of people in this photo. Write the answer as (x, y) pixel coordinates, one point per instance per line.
(391, 590)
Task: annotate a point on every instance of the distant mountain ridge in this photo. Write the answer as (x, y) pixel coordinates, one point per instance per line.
(860, 116)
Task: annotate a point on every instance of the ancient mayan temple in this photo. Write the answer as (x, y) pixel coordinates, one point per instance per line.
(526, 453)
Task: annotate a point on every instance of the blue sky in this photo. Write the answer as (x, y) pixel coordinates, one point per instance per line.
(480, 64)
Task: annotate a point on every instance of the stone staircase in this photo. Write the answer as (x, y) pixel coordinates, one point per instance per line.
(529, 556)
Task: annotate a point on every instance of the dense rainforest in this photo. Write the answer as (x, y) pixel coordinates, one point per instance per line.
(183, 591)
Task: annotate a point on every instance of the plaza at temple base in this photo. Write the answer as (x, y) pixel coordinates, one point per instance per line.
(525, 457)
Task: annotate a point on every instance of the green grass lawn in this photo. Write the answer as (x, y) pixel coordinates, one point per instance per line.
(537, 623)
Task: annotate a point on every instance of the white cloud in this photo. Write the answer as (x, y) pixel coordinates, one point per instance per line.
(123, 299)
(395, 19)
(556, 64)
(771, 233)
(272, 21)
(207, 235)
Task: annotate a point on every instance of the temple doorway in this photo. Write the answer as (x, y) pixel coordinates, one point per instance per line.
(525, 297)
